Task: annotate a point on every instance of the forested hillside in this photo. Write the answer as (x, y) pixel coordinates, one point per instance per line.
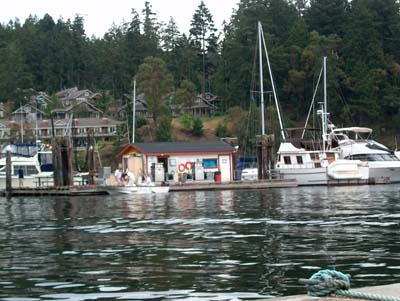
(359, 37)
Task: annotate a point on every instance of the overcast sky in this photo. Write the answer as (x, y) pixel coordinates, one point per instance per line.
(99, 15)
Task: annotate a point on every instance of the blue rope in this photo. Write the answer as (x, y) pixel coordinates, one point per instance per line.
(327, 282)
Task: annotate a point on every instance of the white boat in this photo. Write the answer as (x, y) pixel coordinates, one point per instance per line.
(342, 156)
(249, 174)
(141, 188)
(120, 189)
(319, 167)
(35, 161)
(355, 143)
(309, 161)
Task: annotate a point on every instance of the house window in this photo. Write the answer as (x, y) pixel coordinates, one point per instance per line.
(299, 159)
(287, 160)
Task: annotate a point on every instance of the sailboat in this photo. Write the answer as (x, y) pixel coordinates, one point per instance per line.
(310, 162)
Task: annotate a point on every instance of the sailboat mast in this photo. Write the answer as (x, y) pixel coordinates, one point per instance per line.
(22, 124)
(261, 80)
(272, 83)
(133, 111)
(325, 109)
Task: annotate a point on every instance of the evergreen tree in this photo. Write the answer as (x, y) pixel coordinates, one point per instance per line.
(202, 36)
(197, 127)
(151, 34)
(155, 82)
(327, 16)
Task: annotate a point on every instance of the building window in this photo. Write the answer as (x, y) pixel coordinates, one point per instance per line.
(287, 160)
(210, 163)
(299, 159)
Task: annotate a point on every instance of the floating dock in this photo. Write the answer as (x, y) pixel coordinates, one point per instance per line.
(384, 291)
(99, 190)
(264, 184)
(56, 191)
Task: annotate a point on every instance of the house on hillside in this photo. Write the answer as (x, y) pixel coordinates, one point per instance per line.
(6, 129)
(40, 100)
(73, 95)
(80, 109)
(27, 112)
(196, 161)
(140, 107)
(204, 105)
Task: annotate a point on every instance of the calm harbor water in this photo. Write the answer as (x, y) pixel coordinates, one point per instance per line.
(219, 245)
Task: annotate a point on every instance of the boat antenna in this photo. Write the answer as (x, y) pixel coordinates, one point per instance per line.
(133, 111)
(261, 35)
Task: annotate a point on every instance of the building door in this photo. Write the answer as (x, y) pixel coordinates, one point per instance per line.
(164, 161)
(225, 168)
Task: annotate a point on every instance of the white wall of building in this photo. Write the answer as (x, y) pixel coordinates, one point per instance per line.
(180, 163)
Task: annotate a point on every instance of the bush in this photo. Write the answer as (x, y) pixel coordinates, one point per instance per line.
(197, 127)
(221, 130)
(186, 121)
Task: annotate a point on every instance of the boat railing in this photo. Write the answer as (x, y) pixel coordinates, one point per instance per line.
(298, 165)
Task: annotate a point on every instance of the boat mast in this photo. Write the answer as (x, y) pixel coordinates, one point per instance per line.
(325, 110)
(22, 124)
(272, 81)
(261, 80)
(133, 111)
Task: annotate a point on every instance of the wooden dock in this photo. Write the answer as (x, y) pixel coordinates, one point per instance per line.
(190, 186)
(56, 191)
(233, 185)
(391, 290)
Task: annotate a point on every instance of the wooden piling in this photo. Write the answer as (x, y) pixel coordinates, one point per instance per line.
(8, 175)
(90, 148)
(265, 151)
(62, 161)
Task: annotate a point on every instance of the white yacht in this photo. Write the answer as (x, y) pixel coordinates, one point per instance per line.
(311, 164)
(34, 160)
(355, 143)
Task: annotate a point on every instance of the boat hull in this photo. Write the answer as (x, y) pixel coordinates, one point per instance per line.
(318, 176)
(116, 190)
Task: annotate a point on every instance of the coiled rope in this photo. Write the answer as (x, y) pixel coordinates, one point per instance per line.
(327, 282)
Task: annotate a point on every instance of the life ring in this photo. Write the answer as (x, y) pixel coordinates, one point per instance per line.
(181, 167)
(188, 165)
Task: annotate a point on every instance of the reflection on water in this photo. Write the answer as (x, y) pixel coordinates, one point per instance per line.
(217, 245)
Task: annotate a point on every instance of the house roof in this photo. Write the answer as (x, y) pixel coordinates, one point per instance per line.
(219, 147)
(80, 103)
(74, 93)
(27, 108)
